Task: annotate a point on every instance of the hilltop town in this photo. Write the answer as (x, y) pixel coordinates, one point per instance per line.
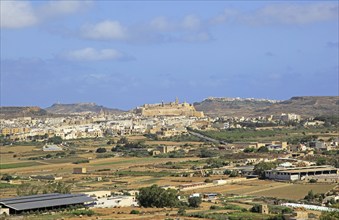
(107, 164)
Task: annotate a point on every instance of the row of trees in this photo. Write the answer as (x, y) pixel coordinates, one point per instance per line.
(155, 196)
(56, 187)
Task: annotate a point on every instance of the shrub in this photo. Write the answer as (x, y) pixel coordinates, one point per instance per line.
(81, 161)
(313, 181)
(135, 212)
(194, 201)
(82, 212)
(255, 208)
(101, 150)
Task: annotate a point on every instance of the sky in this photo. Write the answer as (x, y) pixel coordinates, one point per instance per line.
(123, 54)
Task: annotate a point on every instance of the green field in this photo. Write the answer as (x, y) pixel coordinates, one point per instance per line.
(18, 165)
(279, 134)
(6, 185)
(130, 161)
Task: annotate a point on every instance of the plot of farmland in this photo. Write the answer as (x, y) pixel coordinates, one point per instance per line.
(18, 165)
(294, 191)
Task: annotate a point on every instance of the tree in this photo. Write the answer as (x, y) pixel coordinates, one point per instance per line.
(321, 161)
(204, 153)
(263, 149)
(110, 142)
(123, 140)
(55, 140)
(255, 208)
(234, 173)
(155, 196)
(6, 177)
(249, 150)
(310, 196)
(101, 150)
(329, 215)
(182, 211)
(27, 189)
(194, 201)
(261, 167)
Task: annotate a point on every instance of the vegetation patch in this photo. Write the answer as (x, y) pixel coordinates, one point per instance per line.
(18, 165)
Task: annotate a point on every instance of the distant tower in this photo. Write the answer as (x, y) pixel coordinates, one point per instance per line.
(176, 100)
(263, 209)
(102, 112)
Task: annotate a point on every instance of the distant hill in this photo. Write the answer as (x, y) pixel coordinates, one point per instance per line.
(27, 111)
(79, 108)
(306, 106)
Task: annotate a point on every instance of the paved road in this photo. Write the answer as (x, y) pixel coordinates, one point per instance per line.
(206, 138)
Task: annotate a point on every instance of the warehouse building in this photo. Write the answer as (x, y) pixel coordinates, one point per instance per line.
(44, 202)
(300, 173)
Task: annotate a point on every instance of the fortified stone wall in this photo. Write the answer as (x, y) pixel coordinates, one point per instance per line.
(169, 109)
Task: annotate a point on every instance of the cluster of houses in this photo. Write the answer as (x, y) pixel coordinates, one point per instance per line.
(97, 125)
(162, 123)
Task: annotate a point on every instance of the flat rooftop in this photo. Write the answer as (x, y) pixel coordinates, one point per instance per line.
(305, 169)
(44, 200)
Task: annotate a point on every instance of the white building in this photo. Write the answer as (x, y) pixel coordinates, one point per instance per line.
(116, 201)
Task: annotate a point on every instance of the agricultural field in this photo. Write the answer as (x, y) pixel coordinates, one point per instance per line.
(278, 134)
(116, 172)
(293, 191)
(267, 188)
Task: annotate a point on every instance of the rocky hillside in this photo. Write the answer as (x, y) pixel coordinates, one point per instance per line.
(232, 106)
(79, 108)
(305, 105)
(28, 111)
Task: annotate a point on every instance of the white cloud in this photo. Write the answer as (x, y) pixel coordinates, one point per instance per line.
(17, 14)
(290, 14)
(20, 14)
(159, 29)
(191, 22)
(188, 23)
(227, 15)
(91, 54)
(161, 24)
(105, 30)
(58, 8)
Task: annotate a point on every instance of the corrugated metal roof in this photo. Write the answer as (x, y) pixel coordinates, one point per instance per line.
(44, 201)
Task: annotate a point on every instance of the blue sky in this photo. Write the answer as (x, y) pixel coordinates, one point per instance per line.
(126, 53)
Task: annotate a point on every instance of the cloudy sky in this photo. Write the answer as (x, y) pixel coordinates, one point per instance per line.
(126, 53)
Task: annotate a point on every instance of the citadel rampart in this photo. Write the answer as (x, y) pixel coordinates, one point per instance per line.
(169, 109)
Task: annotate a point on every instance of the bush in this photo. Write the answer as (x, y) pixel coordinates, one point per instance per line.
(234, 173)
(313, 181)
(135, 212)
(55, 140)
(204, 153)
(255, 208)
(101, 150)
(81, 161)
(181, 211)
(6, 177)
(194, 202)
(110, 142)
(82, 212)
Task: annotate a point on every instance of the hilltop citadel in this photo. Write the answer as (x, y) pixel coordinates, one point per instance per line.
(169, 109)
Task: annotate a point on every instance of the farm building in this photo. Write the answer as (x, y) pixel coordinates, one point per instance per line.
(116, 201)
(79, 170)
(300, 173)
(98, 194)
(44, 202)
